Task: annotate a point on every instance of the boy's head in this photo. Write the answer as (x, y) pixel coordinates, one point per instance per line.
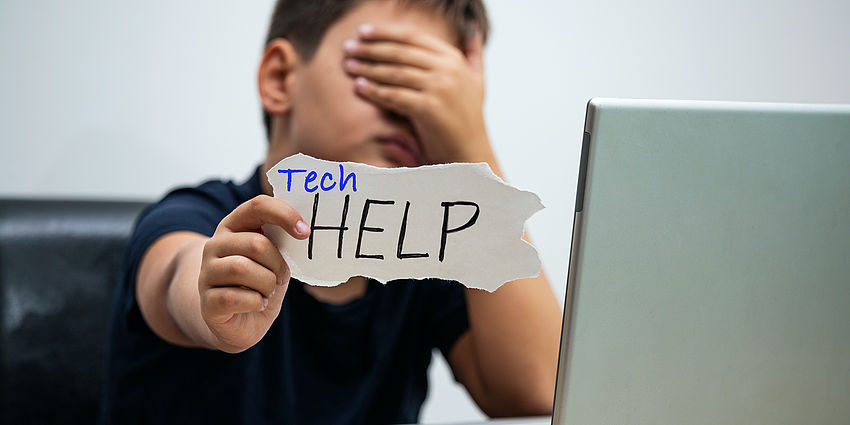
(308, 99)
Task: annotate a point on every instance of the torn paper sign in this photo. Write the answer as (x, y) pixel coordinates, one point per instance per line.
(453, 221)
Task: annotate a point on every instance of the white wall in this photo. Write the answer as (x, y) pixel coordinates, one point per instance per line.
(127, 99)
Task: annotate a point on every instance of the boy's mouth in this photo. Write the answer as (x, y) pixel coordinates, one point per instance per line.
(402, 147)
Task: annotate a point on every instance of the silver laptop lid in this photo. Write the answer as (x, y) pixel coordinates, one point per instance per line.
(709, 278)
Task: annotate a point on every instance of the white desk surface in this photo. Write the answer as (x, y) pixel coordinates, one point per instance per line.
(542, 420)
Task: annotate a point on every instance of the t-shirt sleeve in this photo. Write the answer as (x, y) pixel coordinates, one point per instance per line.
(189, 209)
(181, 210)
(448, 318)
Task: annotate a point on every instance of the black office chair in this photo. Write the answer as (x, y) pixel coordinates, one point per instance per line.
(59, 262)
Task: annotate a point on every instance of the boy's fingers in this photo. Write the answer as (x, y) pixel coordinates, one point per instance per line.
(388, 74)
(254, 246)
(400, 100)
(402, 34)
(381, 51)
(237, 270)
(276, 298)
(225, 301)
(263, 209)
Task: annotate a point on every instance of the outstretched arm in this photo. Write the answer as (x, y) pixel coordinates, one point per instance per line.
(222, 292)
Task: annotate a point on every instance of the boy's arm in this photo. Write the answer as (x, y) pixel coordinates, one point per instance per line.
(508, 358)
(222, 292)
(161, 288)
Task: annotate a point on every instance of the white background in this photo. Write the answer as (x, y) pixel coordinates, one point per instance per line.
(120, 99)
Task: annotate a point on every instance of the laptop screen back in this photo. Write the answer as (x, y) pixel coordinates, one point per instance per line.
(709, 276)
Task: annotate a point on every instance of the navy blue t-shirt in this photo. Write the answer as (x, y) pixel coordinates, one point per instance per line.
(362, 362)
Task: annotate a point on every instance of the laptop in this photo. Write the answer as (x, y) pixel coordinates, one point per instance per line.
(709, 278)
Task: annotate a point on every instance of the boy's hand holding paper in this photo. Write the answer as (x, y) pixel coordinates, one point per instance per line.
(239, 316)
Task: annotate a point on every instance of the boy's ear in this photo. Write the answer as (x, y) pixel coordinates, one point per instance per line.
(275, 76)
(474, 51)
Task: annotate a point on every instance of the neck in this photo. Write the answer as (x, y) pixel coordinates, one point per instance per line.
(276, 151)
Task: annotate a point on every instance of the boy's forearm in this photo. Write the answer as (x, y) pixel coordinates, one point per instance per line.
(516, 332)
(477, 149)
(516, 329)
(183, 298)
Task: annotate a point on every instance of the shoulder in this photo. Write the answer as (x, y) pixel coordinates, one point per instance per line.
(199, 208)
(213, 195)
(196, 209)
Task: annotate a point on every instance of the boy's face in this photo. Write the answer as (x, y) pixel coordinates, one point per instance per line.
(328, 119)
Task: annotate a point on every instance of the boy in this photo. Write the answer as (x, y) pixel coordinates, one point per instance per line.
(207, 325)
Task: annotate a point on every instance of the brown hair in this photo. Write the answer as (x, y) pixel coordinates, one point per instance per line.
(304, 22)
